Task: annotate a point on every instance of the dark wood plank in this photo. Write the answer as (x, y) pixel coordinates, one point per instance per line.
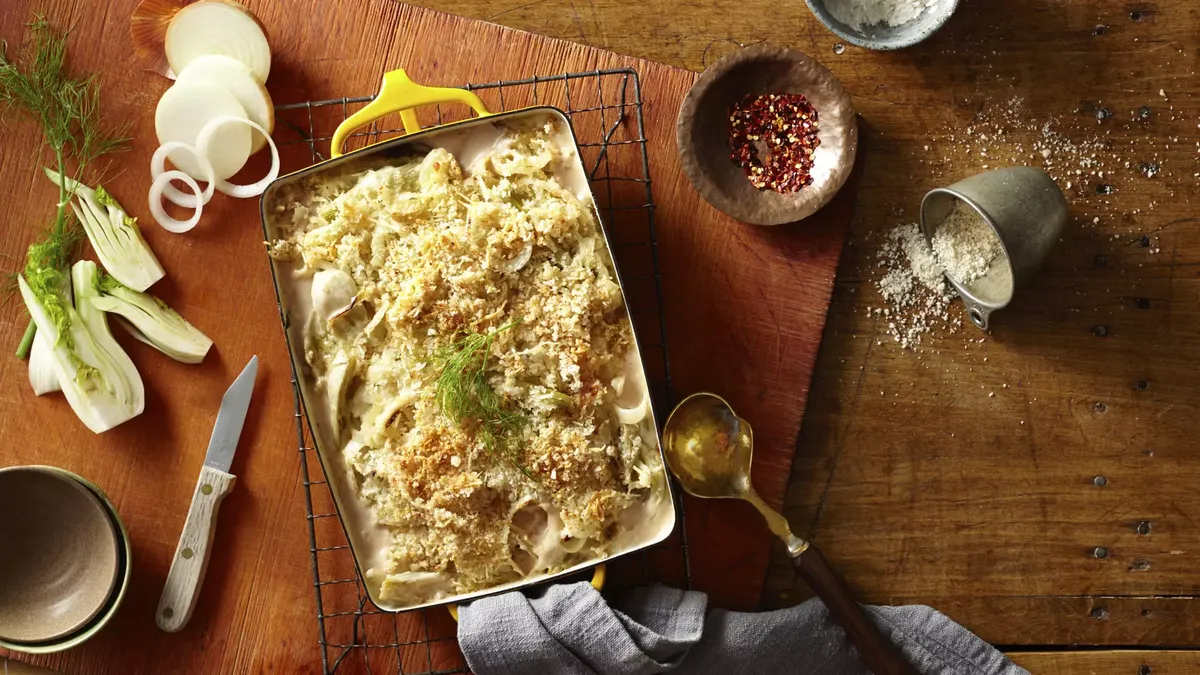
(1123, 662)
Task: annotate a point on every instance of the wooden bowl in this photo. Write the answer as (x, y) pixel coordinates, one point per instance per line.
(59, 555)
(702, 133)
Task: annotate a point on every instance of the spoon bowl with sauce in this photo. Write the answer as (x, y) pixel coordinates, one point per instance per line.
(709, 448)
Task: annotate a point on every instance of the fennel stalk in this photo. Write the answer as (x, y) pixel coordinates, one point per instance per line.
(68, 112)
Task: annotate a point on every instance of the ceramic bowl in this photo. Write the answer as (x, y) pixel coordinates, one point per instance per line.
(73, 566)
(702, 133)
(882, 36)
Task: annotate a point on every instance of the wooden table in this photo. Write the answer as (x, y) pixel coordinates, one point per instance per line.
(1036, 486)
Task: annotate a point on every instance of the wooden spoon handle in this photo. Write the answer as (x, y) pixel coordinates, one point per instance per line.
(876, 651)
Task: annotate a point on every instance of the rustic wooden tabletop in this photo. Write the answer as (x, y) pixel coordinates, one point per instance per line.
(1034, 483)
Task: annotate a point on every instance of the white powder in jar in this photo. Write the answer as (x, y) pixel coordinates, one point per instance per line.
(860, 14)
(964, 245)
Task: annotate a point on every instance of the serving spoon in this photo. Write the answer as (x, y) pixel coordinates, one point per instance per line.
(708, 448)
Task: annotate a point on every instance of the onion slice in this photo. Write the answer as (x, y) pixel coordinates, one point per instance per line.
(520, 260)
(204, 144)
(160, 214)
(217, 27)
(236, 78)
(186, 109)
(174, 194)
(635, 414)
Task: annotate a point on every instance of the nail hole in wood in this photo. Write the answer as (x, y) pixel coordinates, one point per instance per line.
(168, 613)
(1100, 613)
(1100, 407)
(1139, 565)
(1143, 303)
(1100, 331)
(1144, 670)
(1142, 385)
(1144, 527)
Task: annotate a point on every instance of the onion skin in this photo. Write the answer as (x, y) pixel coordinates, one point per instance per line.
(148, 32)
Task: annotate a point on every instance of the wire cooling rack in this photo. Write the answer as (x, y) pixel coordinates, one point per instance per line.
(605, 108)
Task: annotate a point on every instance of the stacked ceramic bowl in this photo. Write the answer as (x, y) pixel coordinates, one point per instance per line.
(64, 559)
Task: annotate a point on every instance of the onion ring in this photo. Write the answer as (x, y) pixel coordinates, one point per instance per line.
(173, 194)
(160, 214)
(240, 191)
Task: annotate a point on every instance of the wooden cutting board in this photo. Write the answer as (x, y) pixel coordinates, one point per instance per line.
(745, 309)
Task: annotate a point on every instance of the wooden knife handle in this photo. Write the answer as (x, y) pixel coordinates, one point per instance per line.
(877, 652)
(191, 556)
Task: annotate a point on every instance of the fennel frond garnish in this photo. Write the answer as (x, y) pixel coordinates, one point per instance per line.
(466, 397)
(68, 111)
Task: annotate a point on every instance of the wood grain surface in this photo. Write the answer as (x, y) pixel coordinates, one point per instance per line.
(918, 485)
(1105, 662)
(745, 310)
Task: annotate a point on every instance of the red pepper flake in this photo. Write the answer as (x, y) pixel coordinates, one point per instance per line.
(786, 125)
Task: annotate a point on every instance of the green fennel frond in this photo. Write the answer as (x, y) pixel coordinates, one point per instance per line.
(466, 398)
(67, 109)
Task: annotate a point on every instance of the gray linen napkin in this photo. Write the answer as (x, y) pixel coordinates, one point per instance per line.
(569, 629)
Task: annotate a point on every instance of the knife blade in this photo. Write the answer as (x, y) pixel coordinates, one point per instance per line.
(230, 419)
(190, 562)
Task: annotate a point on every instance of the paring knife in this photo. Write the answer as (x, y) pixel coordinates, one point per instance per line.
(191, 556)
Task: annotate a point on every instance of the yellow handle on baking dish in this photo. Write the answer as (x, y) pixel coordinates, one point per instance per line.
(399, 93)
(599, 574)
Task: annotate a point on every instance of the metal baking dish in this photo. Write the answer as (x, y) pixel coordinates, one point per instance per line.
(400, 94)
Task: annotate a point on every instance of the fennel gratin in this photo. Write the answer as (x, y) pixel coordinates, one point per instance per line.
(470, 341)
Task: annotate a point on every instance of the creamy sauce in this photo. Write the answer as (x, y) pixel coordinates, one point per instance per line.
(644, 523)
(371, 539)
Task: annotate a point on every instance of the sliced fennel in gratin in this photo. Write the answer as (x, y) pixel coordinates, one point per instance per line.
(474, 363)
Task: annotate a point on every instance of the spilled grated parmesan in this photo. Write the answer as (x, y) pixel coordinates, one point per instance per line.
(964, 245)
(913, 287)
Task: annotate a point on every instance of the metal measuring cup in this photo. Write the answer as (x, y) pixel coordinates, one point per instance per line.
(1027, 211)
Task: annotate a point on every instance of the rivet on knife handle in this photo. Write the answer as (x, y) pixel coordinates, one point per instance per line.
(191, 557)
